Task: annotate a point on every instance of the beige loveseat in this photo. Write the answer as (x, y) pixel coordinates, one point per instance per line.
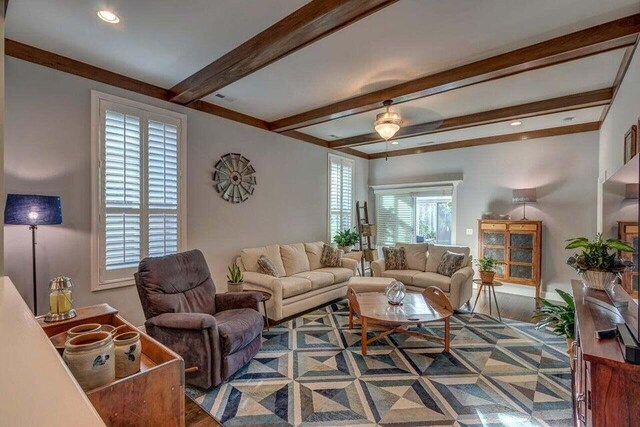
(303, 282)
(422, 266)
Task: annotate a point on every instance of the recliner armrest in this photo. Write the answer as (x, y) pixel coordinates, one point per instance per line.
(192, 321)
(235, 300)
(377, 267)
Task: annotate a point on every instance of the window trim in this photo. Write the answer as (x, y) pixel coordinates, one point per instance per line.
(97, 209)
(353, 193)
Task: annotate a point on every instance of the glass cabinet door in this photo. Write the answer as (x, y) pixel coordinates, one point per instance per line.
(521, 255)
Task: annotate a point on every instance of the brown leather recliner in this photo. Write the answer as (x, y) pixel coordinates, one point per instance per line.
(218, 333)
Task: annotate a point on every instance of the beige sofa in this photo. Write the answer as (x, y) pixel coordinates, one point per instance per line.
(303, 282)
(422, 265)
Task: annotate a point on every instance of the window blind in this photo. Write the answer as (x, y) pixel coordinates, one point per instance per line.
(139, 187)
(341, 171)
(395, 218)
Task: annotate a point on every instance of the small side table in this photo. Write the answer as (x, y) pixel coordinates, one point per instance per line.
(266, 296)
(492, 288)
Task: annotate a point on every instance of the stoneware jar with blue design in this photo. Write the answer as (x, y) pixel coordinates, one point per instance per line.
(90, 358)
(127, 353)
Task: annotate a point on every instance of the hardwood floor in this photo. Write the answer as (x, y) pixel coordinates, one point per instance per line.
(516, 307)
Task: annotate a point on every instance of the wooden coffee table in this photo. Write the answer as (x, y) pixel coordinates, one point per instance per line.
(373, 310)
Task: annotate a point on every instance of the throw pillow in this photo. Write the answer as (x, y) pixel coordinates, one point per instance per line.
(266, 266)
(331, 257)
(394, 258)
(450, 263)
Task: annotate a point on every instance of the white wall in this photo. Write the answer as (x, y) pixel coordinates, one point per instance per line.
(563, 169)
(48, 151)
(624, 112)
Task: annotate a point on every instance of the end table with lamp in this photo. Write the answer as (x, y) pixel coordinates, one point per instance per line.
(33, 210)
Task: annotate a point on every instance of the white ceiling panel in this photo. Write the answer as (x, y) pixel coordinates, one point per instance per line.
(406, 40)
(157, 41)
(585, 115)
(595, 72)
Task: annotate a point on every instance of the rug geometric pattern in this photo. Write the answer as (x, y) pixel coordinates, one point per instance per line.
(310, 372)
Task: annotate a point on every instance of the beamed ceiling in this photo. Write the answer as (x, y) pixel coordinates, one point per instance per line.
(459, 71)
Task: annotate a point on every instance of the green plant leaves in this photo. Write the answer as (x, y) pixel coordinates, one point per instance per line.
(560, 318)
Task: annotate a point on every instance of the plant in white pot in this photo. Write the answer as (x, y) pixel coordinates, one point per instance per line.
(345, 239)
(598, 265)
(235, 281)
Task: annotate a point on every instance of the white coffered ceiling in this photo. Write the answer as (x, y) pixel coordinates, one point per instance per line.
(164, 41)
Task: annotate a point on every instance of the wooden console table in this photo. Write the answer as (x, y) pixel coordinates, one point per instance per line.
(606, 388)
(152, 397)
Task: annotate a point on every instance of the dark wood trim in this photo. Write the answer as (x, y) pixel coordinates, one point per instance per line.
(601, 38)
(497, 139)
(308, 138)
(217, 110)
(355, 153)
(531, 109)
(312, 22)
(622, 71)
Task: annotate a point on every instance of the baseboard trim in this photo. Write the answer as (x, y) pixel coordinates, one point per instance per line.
(526, 291)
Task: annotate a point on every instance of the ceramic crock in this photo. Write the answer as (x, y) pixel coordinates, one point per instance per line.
(90, 357)
(88, 327)
(127, 353)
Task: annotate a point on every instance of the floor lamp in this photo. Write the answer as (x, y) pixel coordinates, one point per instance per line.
(33, 210)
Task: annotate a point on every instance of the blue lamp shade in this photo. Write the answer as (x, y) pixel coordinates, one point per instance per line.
(29, 209)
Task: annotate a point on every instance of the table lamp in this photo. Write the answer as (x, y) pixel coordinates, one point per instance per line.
(33, 210)
(524, 196)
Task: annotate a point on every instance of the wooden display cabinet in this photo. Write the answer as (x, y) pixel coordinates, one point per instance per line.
(517, 247)
(628, 233)
(154, 396)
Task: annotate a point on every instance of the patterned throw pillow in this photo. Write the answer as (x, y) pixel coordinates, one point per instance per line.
(450, 263)
(331, 257)
(266, 266)
(394, 258)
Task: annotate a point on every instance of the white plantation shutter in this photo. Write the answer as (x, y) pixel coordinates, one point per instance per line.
(139, 207)
(341, 172)
(395, 219)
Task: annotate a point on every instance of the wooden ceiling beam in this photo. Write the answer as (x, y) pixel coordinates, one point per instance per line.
(531, 109)
(622, 71)
(310, 23)
(591, 41)
(497, 139)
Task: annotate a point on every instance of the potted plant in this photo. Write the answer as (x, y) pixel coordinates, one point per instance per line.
(487, 267)
(345, 239)
(560, 318)
(234, 279)
(598, 264)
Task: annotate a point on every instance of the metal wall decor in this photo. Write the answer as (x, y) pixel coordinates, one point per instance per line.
(234, 178)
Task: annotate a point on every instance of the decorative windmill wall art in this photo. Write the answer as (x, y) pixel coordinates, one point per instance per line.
(234, 177)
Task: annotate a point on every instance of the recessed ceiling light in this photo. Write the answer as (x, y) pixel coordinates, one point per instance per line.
(516, 123)
(568, 119)
(108, 16)
(394, 143)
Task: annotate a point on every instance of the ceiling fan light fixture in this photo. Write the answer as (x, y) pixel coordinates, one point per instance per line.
(387, 123)
(108, 16)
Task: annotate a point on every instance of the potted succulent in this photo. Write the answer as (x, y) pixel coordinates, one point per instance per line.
(345, 239)
(235, 281)
(561, 319)
(598, 265)
(487, 267)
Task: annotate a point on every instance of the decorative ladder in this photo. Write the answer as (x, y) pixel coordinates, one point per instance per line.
(366, 231)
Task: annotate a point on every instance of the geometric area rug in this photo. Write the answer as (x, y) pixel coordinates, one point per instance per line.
(310, 372)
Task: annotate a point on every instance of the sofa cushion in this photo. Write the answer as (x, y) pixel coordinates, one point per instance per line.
(294, 258)
(405, 276)
(435, 255)
(331, 257)
(319, 279)
(340, 274)
(266, 266)
(426, 279)
(237, 328)
(416, 255)
(314, 254)
(394, 258)
(250, 256)
(450, 263)
(292, 286)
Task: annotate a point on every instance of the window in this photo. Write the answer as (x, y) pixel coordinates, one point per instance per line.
(341, 173)
(138, 187)
(415, 214)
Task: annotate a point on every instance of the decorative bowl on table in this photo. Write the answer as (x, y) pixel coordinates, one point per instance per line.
(395, 292)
